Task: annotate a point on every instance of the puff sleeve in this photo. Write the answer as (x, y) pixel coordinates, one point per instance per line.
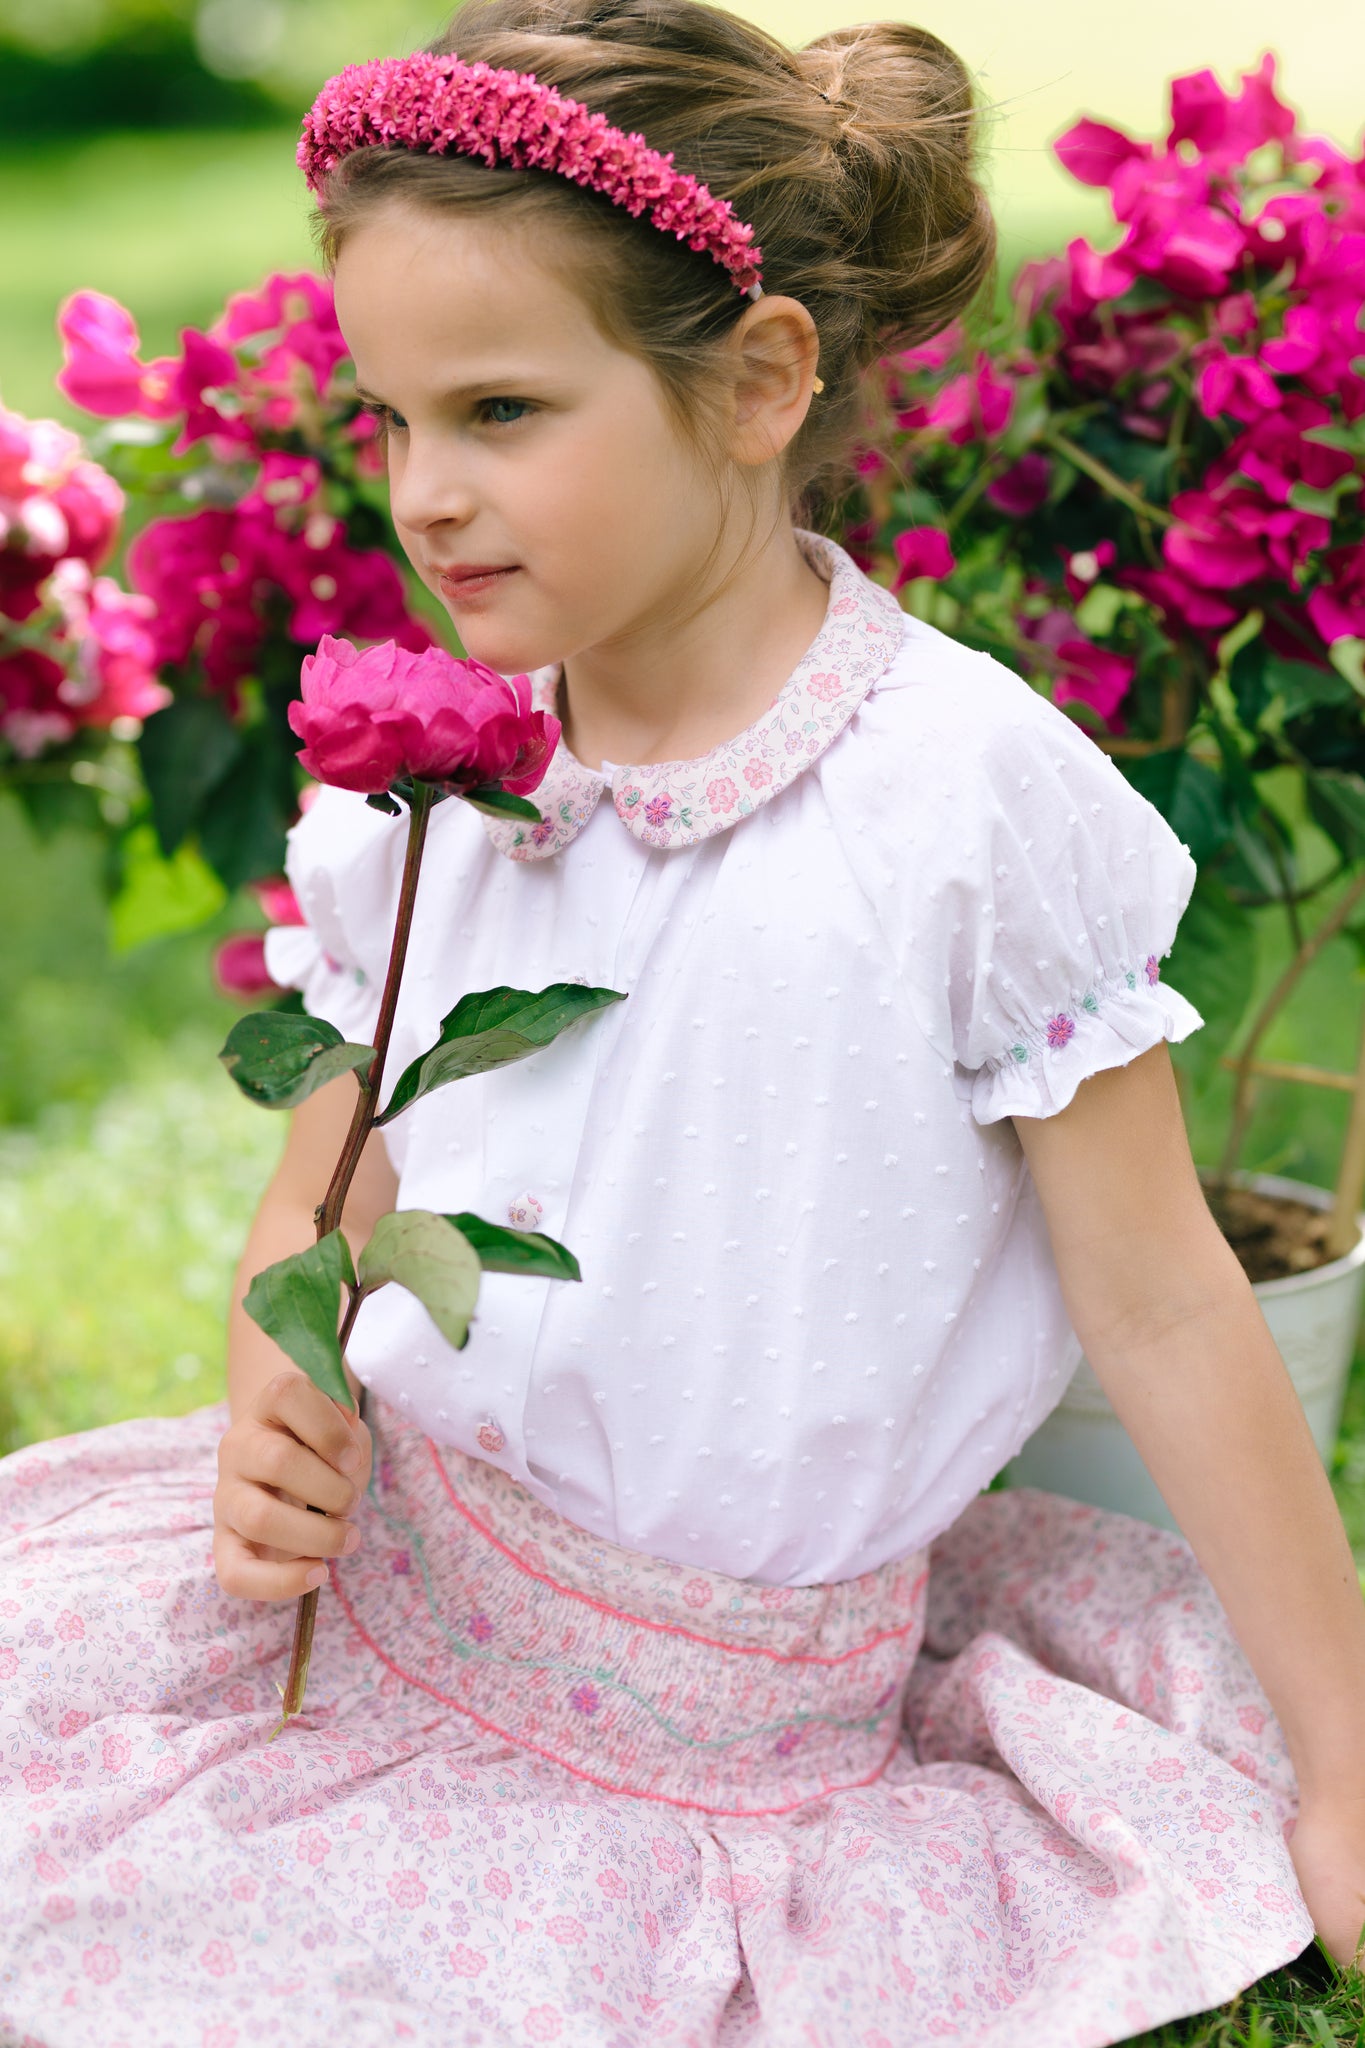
(1029, 891)
(344, 864)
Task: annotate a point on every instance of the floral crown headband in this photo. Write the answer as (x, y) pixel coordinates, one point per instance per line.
(443, 106)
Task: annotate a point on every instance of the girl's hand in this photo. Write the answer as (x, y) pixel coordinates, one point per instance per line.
(291, 1450)
(1328, 1848)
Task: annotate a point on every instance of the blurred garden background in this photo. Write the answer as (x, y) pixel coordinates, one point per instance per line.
(146, 151)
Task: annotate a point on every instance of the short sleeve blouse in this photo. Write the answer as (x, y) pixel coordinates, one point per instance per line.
(819, 1309)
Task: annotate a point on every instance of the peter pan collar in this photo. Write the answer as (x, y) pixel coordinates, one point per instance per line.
(676, 803)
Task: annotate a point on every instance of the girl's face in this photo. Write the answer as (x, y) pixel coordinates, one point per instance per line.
(540, 485)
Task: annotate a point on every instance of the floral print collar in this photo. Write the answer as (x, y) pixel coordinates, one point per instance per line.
(677, 803)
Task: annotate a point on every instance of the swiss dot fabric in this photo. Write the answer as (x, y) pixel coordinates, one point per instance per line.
(819, 1309)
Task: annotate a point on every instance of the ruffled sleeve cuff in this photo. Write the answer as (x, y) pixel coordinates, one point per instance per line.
(296, 958)
(1112, 1024)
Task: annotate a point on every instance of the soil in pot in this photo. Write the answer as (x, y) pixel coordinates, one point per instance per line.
(1272, 1235)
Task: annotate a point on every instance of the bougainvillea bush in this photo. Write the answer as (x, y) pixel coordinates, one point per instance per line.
(259, 496)
(77, 653)
(1142, 490)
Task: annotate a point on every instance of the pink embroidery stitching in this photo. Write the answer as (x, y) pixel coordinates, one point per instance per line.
(670, 1628)
(676, 803)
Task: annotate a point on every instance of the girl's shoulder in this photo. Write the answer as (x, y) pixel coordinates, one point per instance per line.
(1027, 890)
(942, 698)
(951, 749)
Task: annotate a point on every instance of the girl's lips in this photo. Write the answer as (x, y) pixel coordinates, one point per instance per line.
(461, 584)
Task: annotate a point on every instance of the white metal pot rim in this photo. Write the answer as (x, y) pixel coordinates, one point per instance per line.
(1313, 1198)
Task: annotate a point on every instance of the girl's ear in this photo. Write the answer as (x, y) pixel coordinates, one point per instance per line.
(776, 350)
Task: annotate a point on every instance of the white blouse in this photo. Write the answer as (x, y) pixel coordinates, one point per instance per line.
(819, 1309)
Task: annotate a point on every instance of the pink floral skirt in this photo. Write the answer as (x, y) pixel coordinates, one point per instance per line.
(1024, 1794)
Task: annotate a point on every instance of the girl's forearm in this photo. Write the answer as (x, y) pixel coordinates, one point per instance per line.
(1212, 1410)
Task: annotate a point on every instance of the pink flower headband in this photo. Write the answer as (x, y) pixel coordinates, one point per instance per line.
(446, 107)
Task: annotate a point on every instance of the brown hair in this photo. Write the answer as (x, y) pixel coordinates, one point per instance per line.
(853, 158)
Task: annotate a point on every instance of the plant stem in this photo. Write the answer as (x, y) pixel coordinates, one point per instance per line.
(367, 1104)
(1269, 1010)
(334, 1202)
(1105, 477)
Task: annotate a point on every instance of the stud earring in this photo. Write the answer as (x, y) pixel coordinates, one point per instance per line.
(818, 386)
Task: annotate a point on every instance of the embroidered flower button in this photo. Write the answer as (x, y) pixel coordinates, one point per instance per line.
(1153, 970)
(1060, 1031)
(525, 1213)
(491, 1436)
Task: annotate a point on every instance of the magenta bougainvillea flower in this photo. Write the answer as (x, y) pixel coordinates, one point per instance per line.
(371, 719)
(923, 551)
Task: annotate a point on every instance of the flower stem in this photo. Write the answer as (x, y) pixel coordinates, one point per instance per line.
(367, 1104)
(330, 1209)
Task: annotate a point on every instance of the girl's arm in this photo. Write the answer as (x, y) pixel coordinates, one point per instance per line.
(288, 1447)
(1176, 1337)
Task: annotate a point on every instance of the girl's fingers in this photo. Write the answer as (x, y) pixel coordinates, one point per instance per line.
(263, 1519)
(292, 1401)
(275, 1458)
(245, 1576)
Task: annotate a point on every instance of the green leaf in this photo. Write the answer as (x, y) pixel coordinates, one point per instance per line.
(243, 819)
(297, 1301)
(491, 1030)
(1351, 439)
(1189, 795)
(1259, 676)
(380, 800)
(185, 750)
(1306, 498)
(433, 1259)
(1336, 799)
(278, 1059)
(158, 896)
(1213, 964)
(517, 1251)
(1347, 657)
(500, 803)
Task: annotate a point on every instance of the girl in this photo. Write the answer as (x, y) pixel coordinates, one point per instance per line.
(640, 1710)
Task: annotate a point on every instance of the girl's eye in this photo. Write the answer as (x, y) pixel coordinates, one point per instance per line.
(385, 418)
(505, 412)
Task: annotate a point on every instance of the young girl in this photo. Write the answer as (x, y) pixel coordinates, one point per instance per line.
(640, 1709)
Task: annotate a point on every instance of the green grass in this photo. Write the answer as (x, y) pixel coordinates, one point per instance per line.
(168, 224)
(1308, 2003)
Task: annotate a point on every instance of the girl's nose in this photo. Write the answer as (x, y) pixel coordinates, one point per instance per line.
(425, 488)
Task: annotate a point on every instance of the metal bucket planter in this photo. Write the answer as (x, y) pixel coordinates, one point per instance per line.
(1084, 1451)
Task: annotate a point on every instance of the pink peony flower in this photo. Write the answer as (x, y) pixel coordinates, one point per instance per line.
(369, 719)
(922, 551)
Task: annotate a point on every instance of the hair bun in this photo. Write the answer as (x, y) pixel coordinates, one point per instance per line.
(905, 128)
